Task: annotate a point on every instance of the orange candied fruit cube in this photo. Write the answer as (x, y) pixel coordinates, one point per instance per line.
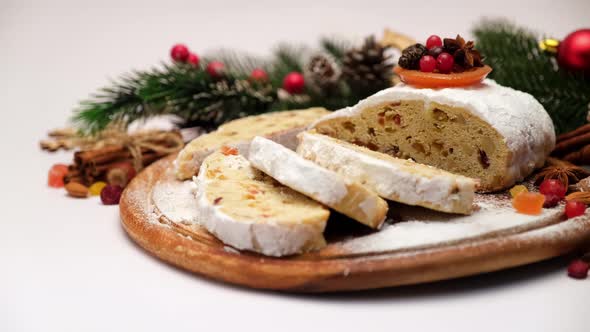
(55, 177)
(228, 150)
(528, 203)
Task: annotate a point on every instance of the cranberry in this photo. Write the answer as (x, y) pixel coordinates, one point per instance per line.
(215, 69)
(578, 269)
(259, 75)
(445, 62)
(110, 195)
(433, 41)
(552, 187)
(427, 64)
(179, 52)
(551, 201)
(193, 59)
(574, 209)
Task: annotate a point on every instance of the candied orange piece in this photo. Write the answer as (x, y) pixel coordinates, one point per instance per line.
(528, 203)
(438, 80)
(55, 177)
(227, 150)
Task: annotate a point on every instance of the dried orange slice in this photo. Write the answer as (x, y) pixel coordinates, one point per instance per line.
(437, 80)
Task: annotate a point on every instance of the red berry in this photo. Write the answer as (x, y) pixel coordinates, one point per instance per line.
(574, 209)
(552, 187)
(193, 59)
(551, 201)
(578, 269)
(433, 41)
(427, 64)
(294, 83)
(179, 52)
(445, 62)
(216, 69)
(110, 195)
(55, 177)
(259, 75)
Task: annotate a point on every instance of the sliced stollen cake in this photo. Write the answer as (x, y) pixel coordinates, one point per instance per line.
(489, 132)
(278, 126)
(392, 178)
(248, 210)
(323, 185)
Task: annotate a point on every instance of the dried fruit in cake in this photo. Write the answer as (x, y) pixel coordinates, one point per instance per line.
(528, 203)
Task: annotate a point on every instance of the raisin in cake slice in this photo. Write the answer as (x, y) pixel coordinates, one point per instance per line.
(392, 178)
(278, 126)
(489, 132)
(248, 210)
(323, 185)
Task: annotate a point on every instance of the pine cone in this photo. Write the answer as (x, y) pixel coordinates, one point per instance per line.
(368, 68)
(322, 72)
(411, 55)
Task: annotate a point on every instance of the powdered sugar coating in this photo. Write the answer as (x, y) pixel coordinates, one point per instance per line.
(523, 122)
(302, 175)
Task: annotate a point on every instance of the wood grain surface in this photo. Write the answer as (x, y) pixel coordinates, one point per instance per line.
(194, 249)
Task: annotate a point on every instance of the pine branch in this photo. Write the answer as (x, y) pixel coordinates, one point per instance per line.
(334, 47)
(518, 62)
(175, 89)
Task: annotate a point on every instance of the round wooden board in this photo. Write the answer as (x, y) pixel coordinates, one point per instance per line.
(332, 270)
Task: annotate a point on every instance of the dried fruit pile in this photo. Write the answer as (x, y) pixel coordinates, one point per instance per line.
(448, 63)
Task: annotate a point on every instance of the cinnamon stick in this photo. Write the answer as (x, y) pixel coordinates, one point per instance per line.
(578, 131)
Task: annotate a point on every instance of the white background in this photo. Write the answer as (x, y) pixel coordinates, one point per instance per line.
(66, 265)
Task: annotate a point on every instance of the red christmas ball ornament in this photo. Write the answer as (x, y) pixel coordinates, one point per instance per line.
(193, 59)
(259, 75)
(179, 53)
(573, 52)
(294, 83)
(216, 69)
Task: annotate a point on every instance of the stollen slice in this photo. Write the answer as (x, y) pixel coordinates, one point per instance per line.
(281, 127)
(248, 210)
(392, 178)
(325, 186)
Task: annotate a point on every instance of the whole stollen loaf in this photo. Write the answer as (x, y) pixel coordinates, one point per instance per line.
(489, 132)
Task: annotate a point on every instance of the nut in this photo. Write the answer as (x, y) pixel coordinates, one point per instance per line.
(77, 190)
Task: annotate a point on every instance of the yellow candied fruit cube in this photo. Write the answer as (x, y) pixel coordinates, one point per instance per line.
(96, 188)
(517, 190)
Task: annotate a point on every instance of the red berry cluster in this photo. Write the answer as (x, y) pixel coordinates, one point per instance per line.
(436, 59)
(293, 82)
(554, 192)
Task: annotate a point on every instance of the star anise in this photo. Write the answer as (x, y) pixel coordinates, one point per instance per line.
(465, 54)
(562, 171)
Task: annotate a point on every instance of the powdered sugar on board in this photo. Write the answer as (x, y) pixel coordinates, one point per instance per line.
(176, 201)
(408, 227)
(420, 228)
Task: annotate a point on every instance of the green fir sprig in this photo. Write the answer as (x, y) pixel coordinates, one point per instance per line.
(518, 62)
(199, 99)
